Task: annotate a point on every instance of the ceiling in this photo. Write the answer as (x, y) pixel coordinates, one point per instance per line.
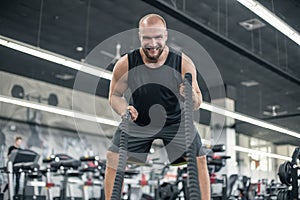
(262, 56)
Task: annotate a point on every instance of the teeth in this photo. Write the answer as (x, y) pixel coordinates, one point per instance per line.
(155, 48)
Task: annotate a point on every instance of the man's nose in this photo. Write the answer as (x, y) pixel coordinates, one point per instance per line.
(153, 42)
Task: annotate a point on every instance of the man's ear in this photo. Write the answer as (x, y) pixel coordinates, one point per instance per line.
(140, 36)
(166, 35)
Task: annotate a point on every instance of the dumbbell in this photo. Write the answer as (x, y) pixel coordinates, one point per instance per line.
(18, 92)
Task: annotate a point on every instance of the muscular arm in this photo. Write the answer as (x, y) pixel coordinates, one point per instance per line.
(189, 67)
(118, 86)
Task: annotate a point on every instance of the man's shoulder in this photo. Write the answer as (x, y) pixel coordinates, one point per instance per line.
(11, 147)
(122, 60)
(186, 60)
(121, 66)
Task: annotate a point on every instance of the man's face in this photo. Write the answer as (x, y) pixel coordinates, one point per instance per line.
(153, 41)
(18, 142)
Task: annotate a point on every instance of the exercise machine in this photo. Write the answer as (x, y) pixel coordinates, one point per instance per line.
(24, 161)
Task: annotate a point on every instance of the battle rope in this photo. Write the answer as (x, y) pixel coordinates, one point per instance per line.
(124, 126)
(194, 191)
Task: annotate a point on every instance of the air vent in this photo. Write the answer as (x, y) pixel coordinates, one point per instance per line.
(252, 24)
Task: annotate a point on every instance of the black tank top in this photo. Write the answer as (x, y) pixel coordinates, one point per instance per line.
(155, 91)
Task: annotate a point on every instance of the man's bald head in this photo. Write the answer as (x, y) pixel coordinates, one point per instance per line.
(152, 20)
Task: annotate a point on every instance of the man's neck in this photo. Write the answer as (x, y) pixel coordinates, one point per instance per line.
(159, 62)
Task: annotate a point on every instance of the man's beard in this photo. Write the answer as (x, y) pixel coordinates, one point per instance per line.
(150, 57)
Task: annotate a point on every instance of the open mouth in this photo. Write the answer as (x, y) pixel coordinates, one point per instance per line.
(152, 48)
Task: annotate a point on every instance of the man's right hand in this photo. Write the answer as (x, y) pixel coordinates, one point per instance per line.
(133, 113)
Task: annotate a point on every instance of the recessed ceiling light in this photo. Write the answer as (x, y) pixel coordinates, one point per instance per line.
(64, 77)
(79, 48)
(272, 19)
(252, 24)
(250, 83)
(272, 110)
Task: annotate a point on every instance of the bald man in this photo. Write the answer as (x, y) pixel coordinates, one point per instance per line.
(154, 74)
